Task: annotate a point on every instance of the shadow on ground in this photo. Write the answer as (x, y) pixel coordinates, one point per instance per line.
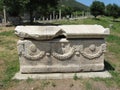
(108, 66)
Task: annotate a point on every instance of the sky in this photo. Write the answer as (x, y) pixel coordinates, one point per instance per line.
(89, 2)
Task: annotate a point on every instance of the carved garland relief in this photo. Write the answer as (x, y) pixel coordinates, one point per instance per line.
(92, 48)
(32, 49)
(66, 51)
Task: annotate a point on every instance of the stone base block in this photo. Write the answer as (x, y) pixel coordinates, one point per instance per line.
(103, 74)
(61, 68)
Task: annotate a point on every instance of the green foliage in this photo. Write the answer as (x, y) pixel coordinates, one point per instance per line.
(44, 5)
(16, 7)
(97, 8)
(69, 6)
(1, 5)
(73, 4)
(11, 6)
(41, 7)
(112, 10)
(108, 9)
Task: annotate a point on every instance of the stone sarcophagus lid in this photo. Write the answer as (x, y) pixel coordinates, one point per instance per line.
(62, 48)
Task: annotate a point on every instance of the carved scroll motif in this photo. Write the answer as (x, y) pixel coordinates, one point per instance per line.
(101, 50)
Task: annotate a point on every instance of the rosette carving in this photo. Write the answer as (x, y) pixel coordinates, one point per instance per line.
(93, 48)
(33, 55)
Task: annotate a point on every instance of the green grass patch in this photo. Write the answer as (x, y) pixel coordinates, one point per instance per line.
(88, 85)
(116, 77)
(12, 68)
(8, 44)
(7, 33)
(102, 21)
(114, 39)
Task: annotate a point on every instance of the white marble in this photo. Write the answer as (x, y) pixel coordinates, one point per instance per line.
(69, 31)
(43, 49)
(104, 74)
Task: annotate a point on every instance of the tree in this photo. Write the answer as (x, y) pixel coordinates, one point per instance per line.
(32, 5)
(112, 10)
(1, 5)
(14, 7)
(108, 9)
(97, 8)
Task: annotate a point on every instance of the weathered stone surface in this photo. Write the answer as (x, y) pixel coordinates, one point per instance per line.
(69, 31)
(104, 74)
(61, 55)
(78, 48)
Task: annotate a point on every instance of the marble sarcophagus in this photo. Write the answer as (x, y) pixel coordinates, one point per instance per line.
(63, 48)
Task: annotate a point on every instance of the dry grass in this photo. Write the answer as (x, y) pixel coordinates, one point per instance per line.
(2, 29)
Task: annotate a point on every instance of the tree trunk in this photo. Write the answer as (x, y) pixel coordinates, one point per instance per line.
(31, 13)
(31, 16)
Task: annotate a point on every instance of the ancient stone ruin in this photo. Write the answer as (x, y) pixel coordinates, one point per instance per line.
(61, 49)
